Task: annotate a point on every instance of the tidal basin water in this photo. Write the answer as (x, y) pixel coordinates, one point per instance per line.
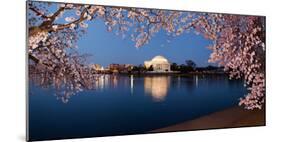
(124, 104)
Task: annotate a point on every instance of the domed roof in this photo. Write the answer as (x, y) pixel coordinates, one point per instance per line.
(159, 59)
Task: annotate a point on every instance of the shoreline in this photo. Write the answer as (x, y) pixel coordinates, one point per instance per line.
(227, 118)
(166, 73)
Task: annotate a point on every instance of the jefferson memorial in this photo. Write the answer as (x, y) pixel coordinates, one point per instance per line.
(159, 64)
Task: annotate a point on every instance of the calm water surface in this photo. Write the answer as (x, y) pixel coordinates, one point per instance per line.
(128, 105)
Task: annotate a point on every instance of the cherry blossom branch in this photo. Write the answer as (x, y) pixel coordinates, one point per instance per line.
(238, 43)
(80, 19)
(37, 12)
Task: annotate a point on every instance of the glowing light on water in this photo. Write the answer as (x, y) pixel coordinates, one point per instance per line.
(157, 87)
(196, 80)
(132, 84)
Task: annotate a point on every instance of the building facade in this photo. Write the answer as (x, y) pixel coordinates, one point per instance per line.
(97, 67)
(159, 64)
(117, 68)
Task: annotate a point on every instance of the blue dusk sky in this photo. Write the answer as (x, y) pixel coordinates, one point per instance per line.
(107, 47)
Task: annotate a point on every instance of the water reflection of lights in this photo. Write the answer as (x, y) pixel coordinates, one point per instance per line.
(196, 80)
(115, 81)
(102, 81)
(132, 83)
(157, 87)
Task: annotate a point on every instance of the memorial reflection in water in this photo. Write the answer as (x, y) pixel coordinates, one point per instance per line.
(157, 87)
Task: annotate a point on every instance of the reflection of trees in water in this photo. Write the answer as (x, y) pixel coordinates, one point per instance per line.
(193, 82)
(221, 80)
(186, 82)
(157, 86)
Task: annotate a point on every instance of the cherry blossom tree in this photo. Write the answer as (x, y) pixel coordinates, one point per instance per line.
(52, 60)
(240, 48)
(52, 37)
(238, 42)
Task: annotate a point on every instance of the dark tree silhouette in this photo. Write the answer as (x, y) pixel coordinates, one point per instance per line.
(190, 64)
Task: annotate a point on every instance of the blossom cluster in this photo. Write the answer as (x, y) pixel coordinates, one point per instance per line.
(238, 43)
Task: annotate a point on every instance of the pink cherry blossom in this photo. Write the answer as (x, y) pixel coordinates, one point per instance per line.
(238, 43)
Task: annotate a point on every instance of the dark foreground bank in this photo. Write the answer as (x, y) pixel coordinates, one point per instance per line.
(232, 117)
